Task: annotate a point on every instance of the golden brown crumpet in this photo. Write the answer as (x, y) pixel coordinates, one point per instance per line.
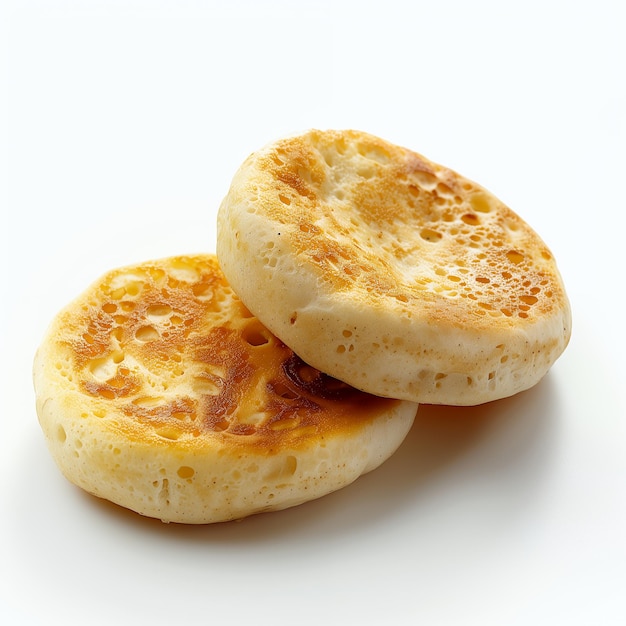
(158, 390)
(390, 272)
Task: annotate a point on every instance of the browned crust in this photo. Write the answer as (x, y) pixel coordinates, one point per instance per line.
(503, 269)
(199, 331)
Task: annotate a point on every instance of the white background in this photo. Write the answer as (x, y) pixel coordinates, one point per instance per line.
(124, 123)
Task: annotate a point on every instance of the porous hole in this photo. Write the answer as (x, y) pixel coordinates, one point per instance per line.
(374, 153)
(480, 203)
(184, 415)
(184, 471)
(132, 289)
(515, 257)
(168, 432)
(148, 401)
(255, 336)
(202, 291)
(61, 434)
(164, 493)
(284, 199)
(444, 190)
(206, 386)
(470, 219)
(146, 333)
(287, 423)
(426, 180)
(291, 464)
(285, 469)
(103, 369)
(158, 311)
(430, 235)
(530, 300)
(365, 172)
(109, 307)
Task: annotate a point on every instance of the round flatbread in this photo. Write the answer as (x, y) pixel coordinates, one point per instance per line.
(158, 390)
(390, 272)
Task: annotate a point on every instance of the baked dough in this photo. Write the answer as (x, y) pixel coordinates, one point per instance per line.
(159, 391)
(390, 272)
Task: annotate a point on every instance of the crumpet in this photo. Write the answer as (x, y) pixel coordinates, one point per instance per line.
(159, 391)
(390, 272)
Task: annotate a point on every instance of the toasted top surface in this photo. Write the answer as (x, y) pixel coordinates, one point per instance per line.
(162, 361)
(172, 348)
(375, 231)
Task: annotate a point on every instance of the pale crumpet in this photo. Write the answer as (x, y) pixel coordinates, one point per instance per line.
(158, 390)
(390, 272)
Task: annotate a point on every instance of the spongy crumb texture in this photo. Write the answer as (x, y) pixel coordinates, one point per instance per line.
(158, 390)
(390, 272)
